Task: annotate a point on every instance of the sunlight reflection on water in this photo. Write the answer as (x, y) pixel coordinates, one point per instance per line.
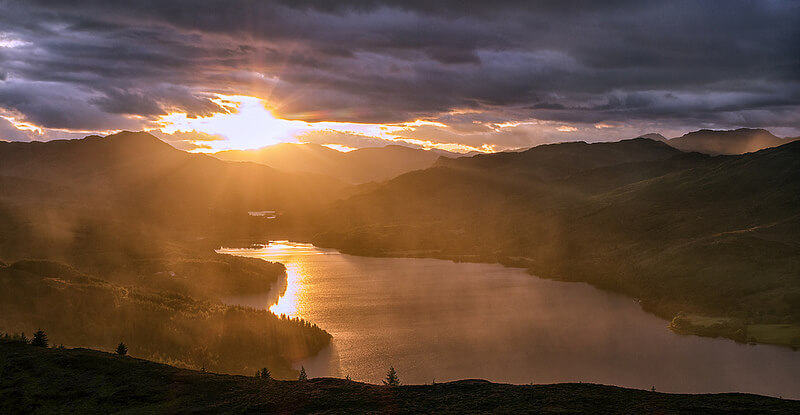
(292, 302)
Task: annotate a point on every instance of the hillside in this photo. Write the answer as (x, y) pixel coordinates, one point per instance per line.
(156, 322)
(110, 238)
(358, 166)
(64, 197)
(138, 166)
(743, 140)
(560, 160)
(44, 380)
(658, 228)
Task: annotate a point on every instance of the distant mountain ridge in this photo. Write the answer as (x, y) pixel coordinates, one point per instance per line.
(562, 159)
(727, 142)
(358, 166)
(654, 136)
(56, 192)
(129, 161)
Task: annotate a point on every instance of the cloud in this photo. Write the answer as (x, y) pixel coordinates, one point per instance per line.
(9, 132)
(99, 65)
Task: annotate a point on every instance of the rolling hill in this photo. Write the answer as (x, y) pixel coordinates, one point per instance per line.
(636, 216)
(357, 166)
(134, 183)
(743, 140)
(141, 165)
(560, 160)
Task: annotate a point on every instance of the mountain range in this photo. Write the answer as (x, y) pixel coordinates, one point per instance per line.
(714, 142)
(358, 166)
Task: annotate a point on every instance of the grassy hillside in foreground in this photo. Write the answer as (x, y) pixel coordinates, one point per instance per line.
(689, 235)
(40, 380)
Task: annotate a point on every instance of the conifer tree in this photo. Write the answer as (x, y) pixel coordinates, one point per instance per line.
(391, 378)
(122, 350)
(303, 376)
(39, 339)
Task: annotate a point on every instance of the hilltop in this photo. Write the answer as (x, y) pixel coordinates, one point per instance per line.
(369, 164)
(715, 142)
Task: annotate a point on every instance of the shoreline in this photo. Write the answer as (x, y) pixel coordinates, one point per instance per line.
(735, 329)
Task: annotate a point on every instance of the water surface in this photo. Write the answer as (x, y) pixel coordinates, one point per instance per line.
(439, 320)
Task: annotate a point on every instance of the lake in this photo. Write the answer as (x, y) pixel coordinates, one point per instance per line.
(439, 320)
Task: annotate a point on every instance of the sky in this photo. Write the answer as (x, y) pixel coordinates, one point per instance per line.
(460, 75)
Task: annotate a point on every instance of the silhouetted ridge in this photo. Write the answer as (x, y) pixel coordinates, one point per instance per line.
(136, 141)
(140, 175)
(556, 160)
(357, 166)
(653, 136)
(740, 141)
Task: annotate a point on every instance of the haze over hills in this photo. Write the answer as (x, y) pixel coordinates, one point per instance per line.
(110, 238)
(556, 160)
(138, 177)
(94, 216)
(63, 199)
(129, 162)
(714, 142)
(494, 212)
(358, 166)
(635, 216)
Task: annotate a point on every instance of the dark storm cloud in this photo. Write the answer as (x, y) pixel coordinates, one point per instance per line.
(730, 62)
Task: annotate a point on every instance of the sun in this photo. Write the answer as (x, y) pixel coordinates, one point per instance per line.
(247, 124)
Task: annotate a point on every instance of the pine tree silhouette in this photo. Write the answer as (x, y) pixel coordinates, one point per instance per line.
(39, 339)
(391, 378)
(303, 375)
(263, 373)
(122, 350)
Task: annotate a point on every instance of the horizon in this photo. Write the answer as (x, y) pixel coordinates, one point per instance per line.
(347, 149)
(352, 75)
